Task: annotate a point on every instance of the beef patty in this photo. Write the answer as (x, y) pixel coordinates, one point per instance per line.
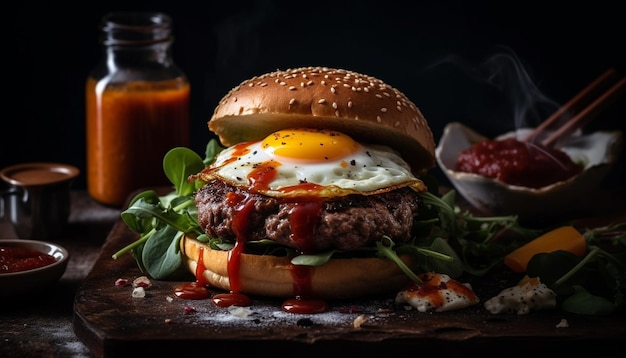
(345, 223)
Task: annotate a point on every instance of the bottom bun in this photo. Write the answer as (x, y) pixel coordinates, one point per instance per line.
(271, 276)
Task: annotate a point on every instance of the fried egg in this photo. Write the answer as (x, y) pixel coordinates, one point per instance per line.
(301, 161)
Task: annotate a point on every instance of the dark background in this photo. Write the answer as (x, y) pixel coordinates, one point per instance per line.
(492, 66)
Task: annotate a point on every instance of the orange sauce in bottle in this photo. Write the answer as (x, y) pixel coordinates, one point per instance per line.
(130, 127)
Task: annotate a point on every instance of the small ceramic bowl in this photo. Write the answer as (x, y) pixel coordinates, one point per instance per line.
(23, 284)
(598, 151)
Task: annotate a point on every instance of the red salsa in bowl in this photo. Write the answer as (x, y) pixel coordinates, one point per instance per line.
(30, 268)
(517, 163)
(16, 259)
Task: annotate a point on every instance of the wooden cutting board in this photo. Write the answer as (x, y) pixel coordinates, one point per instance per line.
(112, 323)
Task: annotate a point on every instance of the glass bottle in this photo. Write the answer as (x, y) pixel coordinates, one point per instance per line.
(137, 104)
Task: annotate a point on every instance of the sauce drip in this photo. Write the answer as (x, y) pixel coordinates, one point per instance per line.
(231, 299)
(517, 163)
(303, 219)
(17, 259)
(304, 305)
(192, 291)
(200, 268)
(195, 290)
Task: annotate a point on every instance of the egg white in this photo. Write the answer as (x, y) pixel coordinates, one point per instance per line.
(367, 170)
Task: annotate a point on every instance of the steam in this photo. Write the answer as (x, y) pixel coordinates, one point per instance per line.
(525, 105)
(528, 104)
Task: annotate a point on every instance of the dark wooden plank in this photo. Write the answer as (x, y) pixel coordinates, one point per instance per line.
(110, 322)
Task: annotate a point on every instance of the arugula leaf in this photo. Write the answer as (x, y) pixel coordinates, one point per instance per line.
(476, 238)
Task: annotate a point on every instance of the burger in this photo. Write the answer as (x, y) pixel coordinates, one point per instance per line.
(317, 162)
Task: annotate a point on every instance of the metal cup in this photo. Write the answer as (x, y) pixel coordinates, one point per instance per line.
(37, 200)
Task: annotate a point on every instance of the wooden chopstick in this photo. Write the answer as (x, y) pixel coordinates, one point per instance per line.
(586, 115)
(575, 104)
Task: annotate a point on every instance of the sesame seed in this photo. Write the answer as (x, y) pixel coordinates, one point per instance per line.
(396, 124)
(283, 83)
(333, 90)
(292, 101)
(292, 88)
(379, 96)
(349, 104)
(263, 84)
(321, 101)
(384, 110)
(378, 119)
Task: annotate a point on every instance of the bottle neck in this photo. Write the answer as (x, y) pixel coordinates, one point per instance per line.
(158, 54)
(138, 46)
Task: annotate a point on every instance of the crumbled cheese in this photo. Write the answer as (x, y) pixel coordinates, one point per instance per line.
(529, 295)
(563, 324)
(439, 293)
(358, 321)
(241, 312)
(138, 292)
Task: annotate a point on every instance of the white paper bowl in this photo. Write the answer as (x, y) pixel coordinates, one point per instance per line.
(598, 151)
(37, 281)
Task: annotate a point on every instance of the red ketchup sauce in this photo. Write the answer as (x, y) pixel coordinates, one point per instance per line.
(517, 163)
(195, 290)
(17, 259)
(303, 219)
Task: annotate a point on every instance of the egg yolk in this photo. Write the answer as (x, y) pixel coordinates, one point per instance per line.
(313, 145)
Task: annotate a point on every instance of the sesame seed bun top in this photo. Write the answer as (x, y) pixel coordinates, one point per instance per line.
(359, 105)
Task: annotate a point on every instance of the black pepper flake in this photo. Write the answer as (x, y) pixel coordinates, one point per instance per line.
(352, 162)
(305, 322)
